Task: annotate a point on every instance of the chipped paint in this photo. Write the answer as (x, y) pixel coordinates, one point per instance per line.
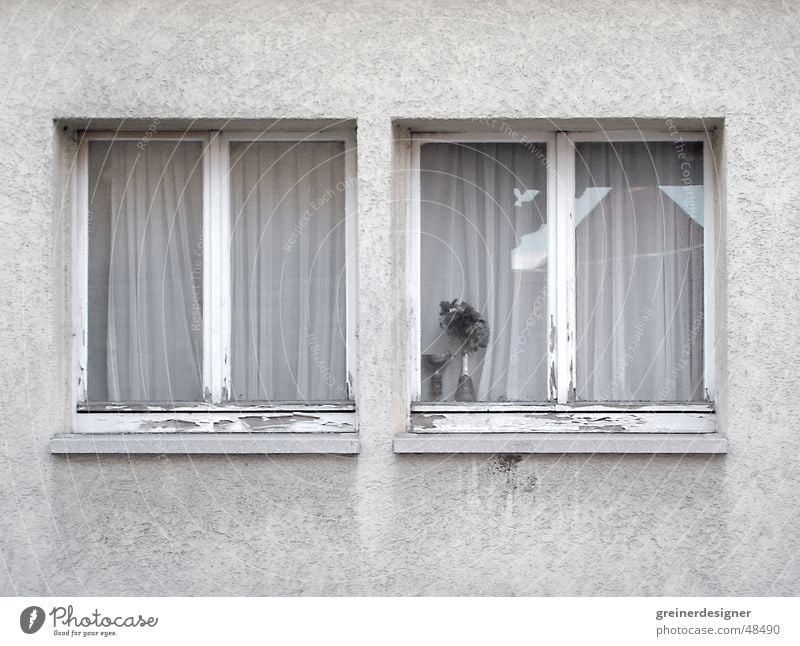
(553, 377)
(169, 425)
(561, 422)
(292, 423)
(609, 428)
(571, 390)
(110, 422)
(81, 385)
(420, 422)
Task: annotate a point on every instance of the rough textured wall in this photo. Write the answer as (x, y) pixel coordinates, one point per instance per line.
(379, 523)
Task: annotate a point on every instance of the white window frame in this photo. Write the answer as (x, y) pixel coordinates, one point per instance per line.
(562, 412)
(216, 413)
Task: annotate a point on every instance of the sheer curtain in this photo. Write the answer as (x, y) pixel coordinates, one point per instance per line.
(145, 271)
(288, 271)
(639, 230)
(484, 241)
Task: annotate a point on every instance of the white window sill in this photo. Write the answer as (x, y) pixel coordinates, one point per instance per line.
(560, 443)
(510, 428)
(206, 443)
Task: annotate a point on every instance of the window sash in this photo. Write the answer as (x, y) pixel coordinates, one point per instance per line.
(561, 281)
(216, 267)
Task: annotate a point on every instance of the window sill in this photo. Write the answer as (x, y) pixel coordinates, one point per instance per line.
(205, 443)
(561, 443)
(648, 430)
(560, 421)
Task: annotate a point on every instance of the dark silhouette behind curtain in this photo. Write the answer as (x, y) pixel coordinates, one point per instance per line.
(486, 244)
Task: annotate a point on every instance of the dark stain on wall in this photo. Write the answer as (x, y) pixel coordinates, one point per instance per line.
(507, 468)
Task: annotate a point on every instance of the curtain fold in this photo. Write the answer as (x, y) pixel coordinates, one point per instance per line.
(288, 325)
(639, 281)
(484, 241)
(145, 271)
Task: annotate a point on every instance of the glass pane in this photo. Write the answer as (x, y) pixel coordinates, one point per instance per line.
(145, 271)
(484, 243)
(639, 228)
(288, 324)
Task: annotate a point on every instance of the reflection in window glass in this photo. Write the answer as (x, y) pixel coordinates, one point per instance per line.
(639, 252)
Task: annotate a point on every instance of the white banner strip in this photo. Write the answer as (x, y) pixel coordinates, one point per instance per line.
(400, 621)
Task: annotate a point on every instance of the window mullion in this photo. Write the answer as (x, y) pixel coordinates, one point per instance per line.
(552, 271)
(216, 326)
(223, 267)
(565, 321)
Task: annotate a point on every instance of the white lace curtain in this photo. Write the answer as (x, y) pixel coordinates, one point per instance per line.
(484, 241)
(145, 271)
(639, 214)
(639, 233)
(288, 271)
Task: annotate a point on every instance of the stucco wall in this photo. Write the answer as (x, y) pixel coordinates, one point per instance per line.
(380, 523)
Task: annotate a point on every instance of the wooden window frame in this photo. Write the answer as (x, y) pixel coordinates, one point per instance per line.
(562, 412)
(216, 412)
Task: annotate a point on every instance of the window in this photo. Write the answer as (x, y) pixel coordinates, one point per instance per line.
(215, 276)
(483, 241)
(561, 272)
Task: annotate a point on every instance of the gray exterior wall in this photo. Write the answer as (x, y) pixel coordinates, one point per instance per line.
(380, 523)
